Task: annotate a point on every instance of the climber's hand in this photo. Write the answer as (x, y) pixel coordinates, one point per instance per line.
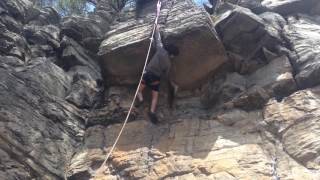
(156, 22)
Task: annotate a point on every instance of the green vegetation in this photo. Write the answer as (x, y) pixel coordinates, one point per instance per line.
(83, 7)
(68, 7)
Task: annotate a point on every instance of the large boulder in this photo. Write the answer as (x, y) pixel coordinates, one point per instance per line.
(13, 44)
(79, 27)
(252, 91)
(223, 88)
(87, 82)
(273, 80)
(49, 77)
(20, 9)
(74, 54)
(183, 24)
(10, 23)
(245, 35)
(303, 35)
(46, 16)
(43, 35)
(86, 86)
(276, 78)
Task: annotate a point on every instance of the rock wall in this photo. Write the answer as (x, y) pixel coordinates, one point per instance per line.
(48, 83)
(248, 106)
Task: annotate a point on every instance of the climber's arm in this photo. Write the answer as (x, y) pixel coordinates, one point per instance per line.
(158, 38)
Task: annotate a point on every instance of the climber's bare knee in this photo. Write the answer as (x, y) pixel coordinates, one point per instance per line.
(154, 101)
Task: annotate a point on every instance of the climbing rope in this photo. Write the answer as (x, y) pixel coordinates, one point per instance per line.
(137, 90)
(275, 175)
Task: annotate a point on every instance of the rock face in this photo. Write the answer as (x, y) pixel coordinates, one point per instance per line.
(286, 7)
(303, 35)
(248, 109)
(126, 44)
(46, 80)
(186, 149)
(247, 92)
(296, 121)
(244, 34)
(38, 130)
(283, 7)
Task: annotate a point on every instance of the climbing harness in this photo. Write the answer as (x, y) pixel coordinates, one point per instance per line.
(137, 90)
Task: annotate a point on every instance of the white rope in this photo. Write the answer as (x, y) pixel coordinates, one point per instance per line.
(134, 98)
(274, 169)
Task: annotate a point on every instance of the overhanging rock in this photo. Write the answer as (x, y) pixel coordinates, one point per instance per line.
(183, 24)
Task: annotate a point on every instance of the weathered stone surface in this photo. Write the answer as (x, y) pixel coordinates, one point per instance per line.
(42, 35)
(184, 25)
(86, 86)
(49, 76)
(116, 102)
(87, 83)
(41, 51)
(196, 149)
(295, 119)
(207, 52)
(316, 9)
(47, 15)
(79, 27)
(57, 122)
(237, 116)
(38, 129)
(74, 54)
(274, 20)
(247, 92)
(10, 23)
(223, 88)
(303, 35)
(283, 7)
(273, 80)
(284, 166)
(254, 5)
(14, 168)
(286, 7)
(20, 9)
(13, 44)
(254, 98)
(276, 78)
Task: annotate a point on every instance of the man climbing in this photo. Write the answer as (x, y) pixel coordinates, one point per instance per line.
(158, 67)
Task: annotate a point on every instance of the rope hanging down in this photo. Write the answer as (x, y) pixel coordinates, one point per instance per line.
(137, 90)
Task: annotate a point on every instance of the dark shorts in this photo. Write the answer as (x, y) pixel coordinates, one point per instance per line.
(151, 80)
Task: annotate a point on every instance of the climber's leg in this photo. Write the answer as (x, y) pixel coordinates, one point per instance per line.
(140, 93)
(155, 96)
(139, 101)
(154, 101)
(172, 91)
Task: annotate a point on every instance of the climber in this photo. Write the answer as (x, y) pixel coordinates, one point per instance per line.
(212, 6)
(158, 67)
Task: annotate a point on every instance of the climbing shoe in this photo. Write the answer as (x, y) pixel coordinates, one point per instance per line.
(153, 118)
